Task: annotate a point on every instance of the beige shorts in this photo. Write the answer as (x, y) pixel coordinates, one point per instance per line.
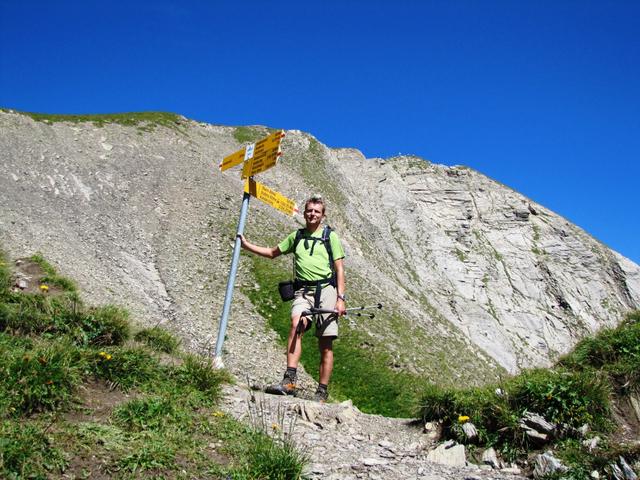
(327, 323)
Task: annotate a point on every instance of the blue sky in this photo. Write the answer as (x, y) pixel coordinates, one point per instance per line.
(543, 96)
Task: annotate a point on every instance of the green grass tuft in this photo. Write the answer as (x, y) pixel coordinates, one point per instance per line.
(52, 277)
(107, 325)
(563, 396)
(125, 367)
(149, 413)
(249, 134)
(5, 274)
(149, 456)
(198, 373)
(27, 452)
(158, 339)
(274, 460)
(40, 377)
(63, 314)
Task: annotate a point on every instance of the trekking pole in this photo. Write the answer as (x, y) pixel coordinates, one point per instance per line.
(367, 307)
(353, 311)
(315, 311)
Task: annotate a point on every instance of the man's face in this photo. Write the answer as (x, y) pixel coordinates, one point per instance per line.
(313, 214)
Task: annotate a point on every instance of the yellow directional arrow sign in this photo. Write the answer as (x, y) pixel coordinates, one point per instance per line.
(259, 156)
(270, 197)
(265, 155)
(232, 160)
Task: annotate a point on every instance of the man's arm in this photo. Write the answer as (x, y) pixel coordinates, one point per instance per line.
(340, 304)
(268, 252)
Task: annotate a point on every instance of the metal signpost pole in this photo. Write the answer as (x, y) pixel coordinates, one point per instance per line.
(217, 361)
(254, 158)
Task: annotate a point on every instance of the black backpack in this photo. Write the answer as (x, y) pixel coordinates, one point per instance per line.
(301, 235)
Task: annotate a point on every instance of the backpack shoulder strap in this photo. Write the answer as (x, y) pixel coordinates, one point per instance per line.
(296, 241)
(326, 233)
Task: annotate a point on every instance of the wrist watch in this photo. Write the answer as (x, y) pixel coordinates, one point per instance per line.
(342, 297)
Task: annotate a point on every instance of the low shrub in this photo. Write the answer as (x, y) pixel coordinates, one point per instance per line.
(563, 396)
(615, 350)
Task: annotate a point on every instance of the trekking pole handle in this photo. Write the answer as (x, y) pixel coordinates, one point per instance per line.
(313, 311)
(353, 311)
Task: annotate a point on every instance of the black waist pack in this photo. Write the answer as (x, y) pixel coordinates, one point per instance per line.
(287, 290)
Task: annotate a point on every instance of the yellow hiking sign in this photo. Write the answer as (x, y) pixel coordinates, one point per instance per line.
(270, 197)
(257, 157)
(265, 155)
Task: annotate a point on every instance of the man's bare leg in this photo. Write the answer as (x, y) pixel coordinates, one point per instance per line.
(295, 343)
(326, 359)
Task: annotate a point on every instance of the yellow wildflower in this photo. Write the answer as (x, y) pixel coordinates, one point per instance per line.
(44, 288)
(463, 418)
(108, 356)
(218, 413)
(275, 427)
(103, 354)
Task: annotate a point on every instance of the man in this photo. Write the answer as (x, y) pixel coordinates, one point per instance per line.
(318, 284)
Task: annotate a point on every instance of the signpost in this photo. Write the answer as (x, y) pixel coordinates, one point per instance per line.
(255, 158)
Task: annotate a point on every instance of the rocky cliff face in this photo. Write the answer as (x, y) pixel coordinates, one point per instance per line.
(476, 278)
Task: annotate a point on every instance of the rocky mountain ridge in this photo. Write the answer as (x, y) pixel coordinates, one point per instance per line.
(476, 279)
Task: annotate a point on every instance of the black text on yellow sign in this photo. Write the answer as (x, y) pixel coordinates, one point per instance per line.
(270, 197)
(265, 155)
(232, 160)
(259, 156)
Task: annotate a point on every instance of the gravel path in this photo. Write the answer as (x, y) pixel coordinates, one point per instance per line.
(344, 443)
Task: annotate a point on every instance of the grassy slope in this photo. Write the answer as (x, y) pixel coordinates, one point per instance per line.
(78, 399)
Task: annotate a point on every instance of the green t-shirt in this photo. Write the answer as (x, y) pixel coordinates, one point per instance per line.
(316, 266)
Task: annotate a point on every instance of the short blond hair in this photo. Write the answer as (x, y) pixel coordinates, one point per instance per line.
(316, 198)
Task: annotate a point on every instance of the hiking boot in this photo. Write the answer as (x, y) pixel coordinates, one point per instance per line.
(321, 396)
(287, 386)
